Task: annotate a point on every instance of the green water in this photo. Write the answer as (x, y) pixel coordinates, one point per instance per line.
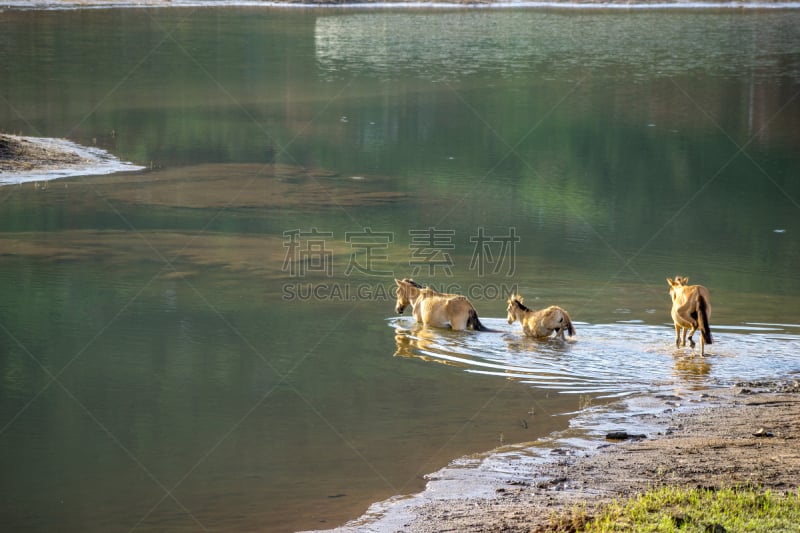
(171, 359)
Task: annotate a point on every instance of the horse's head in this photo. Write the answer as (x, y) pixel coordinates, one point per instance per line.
(676, 287)
(515, 308)
(406, 290)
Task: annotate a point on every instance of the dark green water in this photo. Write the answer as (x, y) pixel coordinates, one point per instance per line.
(211, 343)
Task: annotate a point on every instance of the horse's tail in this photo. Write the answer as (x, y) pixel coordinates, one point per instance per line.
(475, 323)
(702, 319)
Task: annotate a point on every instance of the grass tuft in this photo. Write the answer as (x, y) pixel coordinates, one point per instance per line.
(675, 509)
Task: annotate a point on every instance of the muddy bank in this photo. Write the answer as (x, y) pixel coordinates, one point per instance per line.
(20, 154)
(745, 435)
(26, 159)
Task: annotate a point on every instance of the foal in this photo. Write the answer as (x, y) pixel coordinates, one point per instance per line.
(541, 323)
(691, 308)
(437, 309)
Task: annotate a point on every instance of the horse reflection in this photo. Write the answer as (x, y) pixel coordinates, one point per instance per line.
(418, 341)
(692, 369)
(536, 345)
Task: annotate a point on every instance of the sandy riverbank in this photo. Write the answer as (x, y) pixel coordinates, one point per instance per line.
(745, 435)
(26, 159)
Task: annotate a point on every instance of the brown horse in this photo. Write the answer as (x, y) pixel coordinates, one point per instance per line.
(691, 308)
(437, 309)
(542, 323)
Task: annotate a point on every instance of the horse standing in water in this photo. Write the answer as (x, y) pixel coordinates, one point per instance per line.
(542, 323)
(691, 308)
(437, 309)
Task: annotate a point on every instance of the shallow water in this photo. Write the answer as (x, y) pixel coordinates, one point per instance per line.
(610, 360)
(212, 343)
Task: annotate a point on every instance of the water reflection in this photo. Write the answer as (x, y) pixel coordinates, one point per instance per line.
(414, 342)
(434, 345)
(646, 45)
(692, 369)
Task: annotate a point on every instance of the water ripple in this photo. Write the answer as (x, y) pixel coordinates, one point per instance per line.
(611, 359)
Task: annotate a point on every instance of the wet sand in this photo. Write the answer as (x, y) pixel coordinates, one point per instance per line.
(21, 154)
(39, 159)
(746, 435)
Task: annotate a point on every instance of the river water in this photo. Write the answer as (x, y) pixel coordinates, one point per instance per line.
(211, 342)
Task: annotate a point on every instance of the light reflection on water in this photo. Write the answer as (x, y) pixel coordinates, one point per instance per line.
(614, 359)
(645, 44)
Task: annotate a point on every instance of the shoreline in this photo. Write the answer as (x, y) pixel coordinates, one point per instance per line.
(630, 5)
(745, 435)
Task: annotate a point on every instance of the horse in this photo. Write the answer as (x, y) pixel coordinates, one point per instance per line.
(436, 309)
(691, 308)
(542, 323)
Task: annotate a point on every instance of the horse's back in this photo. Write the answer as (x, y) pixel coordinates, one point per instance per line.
(441, 310)
(696, 296)
(562, 317)
(544, 322)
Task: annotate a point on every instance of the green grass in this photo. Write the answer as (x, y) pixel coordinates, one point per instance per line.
(667, 509)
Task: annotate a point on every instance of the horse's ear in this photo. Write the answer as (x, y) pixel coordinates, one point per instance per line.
(685, 280)
(397, 282)
(671, 283)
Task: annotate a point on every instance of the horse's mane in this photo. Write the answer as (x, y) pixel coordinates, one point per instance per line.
(412, 283)
(517, 299)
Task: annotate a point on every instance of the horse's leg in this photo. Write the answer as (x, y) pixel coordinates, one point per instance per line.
(458, 321)
(560, 327)
(416, 312)
(691, 334)
(678, 329)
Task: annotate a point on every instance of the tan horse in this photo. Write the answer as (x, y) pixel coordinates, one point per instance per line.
(691, 308)
(436, 309)
(541, 323)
